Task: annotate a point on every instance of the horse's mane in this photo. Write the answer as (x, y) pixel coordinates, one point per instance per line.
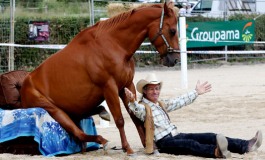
(111, 23)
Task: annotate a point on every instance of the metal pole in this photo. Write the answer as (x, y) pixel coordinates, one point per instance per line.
(183, 52)
(12, 30)
(226, 19)
(92, 12)
(89, 4)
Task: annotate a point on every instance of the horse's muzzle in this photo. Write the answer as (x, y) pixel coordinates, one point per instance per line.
(172, 57)
(170, 60)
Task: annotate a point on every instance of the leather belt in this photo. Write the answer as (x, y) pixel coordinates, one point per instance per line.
(165, 137)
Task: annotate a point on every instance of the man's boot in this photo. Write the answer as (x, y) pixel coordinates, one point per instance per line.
(221, 149)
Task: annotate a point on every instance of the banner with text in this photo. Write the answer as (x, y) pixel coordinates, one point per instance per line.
(206, 34)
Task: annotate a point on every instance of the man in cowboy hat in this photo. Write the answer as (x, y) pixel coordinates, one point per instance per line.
(161, 133)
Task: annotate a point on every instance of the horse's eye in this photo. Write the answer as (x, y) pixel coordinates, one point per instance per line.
(172, 32)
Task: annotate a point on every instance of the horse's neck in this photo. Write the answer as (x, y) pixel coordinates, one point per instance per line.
(134, 30)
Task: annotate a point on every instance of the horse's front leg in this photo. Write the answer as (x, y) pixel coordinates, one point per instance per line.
(112, 99)
(137, 122)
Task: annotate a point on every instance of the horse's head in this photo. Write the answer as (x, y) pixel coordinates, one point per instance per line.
(164, 36)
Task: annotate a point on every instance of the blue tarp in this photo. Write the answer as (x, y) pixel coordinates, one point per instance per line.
(37, 122)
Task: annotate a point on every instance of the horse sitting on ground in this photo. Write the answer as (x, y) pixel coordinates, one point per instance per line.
(97, 65)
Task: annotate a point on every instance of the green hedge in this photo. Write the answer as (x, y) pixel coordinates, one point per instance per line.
(62, 31)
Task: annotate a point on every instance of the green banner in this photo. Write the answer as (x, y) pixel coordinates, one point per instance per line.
(206, 34)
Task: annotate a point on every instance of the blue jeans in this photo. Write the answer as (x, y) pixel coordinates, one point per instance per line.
(198, 144)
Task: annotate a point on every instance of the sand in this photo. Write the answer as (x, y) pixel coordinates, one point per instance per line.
(235, 107)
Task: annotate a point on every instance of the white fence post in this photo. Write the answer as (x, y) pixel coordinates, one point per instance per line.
(183, 52)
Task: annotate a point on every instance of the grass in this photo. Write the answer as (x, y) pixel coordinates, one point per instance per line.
(53, 8)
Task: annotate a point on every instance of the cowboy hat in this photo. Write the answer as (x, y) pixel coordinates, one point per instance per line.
(150, 79)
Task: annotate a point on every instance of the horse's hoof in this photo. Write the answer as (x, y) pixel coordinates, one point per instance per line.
(105, 146)
(133, 155)
(83, 150)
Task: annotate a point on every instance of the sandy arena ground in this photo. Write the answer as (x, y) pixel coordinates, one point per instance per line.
(235, 108)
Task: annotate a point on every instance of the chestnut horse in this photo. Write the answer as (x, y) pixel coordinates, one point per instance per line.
(97, 65)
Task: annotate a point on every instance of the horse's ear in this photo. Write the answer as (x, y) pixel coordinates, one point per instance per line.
(167, 7)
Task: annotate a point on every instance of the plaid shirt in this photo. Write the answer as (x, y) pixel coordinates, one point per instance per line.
(163, 126)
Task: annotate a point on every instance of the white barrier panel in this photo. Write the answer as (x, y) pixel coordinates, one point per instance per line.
(46, 46)
(226, 52)
(212, 52)
(60, 46)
